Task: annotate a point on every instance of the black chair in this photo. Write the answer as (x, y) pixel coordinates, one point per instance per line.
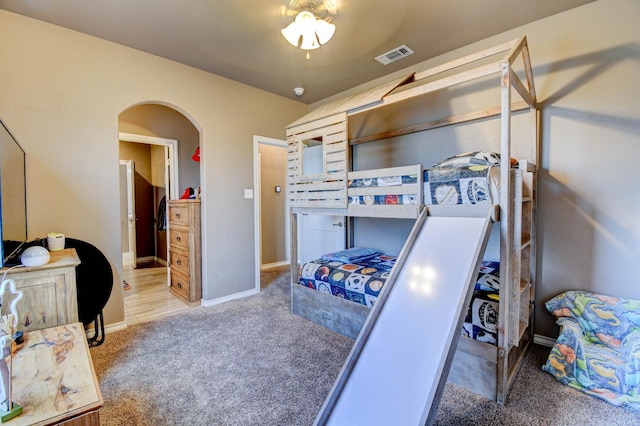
(94, 282)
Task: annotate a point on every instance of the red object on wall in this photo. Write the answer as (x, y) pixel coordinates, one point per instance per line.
(196, 156)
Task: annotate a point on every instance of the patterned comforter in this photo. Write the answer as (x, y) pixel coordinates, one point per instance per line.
(598, 349)
(384, 182)
(360, 281)
(477, 184)
(481, 322)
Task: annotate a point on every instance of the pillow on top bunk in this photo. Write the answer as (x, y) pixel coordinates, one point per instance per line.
(351, 255)
(475, 158)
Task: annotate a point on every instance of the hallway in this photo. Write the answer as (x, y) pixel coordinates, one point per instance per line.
(147, 296)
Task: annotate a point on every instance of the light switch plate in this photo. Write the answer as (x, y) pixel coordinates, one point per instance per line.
(248, 193)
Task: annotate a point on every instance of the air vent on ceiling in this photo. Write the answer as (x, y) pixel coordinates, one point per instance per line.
(394, 55)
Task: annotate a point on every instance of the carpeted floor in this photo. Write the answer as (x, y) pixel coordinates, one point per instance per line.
(251, 362)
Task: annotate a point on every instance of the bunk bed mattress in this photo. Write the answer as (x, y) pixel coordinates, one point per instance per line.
(475, 184)
(359, 281)
(384, 182)
(481, 322)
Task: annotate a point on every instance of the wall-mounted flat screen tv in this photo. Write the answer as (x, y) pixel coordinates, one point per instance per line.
(13, 198)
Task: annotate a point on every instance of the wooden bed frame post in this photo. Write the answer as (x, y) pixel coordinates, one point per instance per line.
(506, 232)
(293, 221)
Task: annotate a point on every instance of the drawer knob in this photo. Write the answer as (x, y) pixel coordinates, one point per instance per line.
(179, 262)
(179, 285)
(177, 215)
(178, 239)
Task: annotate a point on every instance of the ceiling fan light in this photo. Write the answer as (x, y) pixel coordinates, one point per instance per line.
(308, 31)
(292, 33)
(305, 20)
(309, 42)
(324, 30)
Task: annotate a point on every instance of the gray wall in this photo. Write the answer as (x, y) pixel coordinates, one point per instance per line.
(587, 73)
(62, 93)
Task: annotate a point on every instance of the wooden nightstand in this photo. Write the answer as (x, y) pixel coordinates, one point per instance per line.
(50, 293)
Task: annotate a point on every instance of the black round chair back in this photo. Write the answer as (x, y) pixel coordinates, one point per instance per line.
(94, 280)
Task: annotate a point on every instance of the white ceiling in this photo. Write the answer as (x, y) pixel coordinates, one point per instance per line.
(241, 40)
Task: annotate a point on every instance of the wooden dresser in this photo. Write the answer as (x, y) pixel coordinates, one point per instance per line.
(184, 250)
(50, 294)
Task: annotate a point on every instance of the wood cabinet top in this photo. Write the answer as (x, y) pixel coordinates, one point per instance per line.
(185, 201)
(58, 259)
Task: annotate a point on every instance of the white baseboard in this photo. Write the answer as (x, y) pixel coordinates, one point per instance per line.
(111, 328)
(274, 265)
(126, 259)
(235, 296)
(543, 340)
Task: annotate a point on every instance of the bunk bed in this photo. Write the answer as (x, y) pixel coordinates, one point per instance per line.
(487, 357)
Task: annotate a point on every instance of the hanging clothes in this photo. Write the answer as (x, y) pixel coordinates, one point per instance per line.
(162, 214)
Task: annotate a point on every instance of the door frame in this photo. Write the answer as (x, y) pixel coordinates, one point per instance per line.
(257, 229)
(171, 166)
(172, 163)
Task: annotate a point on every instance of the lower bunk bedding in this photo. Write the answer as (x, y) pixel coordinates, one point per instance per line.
(358, 275)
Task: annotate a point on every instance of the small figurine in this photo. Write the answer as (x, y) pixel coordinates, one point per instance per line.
(8, 324)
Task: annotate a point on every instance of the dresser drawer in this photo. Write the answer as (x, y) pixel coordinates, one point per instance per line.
(179, 238)
(184, 250)
(179, 261)
(179, 214)
(179, 284)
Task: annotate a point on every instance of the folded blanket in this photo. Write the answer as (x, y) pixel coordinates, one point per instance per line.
(353, 254)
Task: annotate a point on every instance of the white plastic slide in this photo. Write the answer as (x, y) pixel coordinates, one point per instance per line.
(399, 364)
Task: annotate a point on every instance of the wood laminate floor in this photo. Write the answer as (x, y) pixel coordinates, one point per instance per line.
(149, 298)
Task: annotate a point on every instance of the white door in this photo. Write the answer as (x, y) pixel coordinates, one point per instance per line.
(131, 212)
(320, 234)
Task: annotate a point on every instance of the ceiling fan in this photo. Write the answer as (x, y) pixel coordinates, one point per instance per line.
(310, 28)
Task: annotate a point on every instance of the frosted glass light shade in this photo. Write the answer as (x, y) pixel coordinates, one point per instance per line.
(309, 42)
(291, 33)
(313, 31)
(324, 30)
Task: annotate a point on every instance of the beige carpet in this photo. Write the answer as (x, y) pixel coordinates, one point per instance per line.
(250, 362)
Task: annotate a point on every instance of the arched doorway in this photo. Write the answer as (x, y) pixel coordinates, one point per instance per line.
(159, 144)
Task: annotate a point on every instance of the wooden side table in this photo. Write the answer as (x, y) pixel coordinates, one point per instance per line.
(54, 380)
